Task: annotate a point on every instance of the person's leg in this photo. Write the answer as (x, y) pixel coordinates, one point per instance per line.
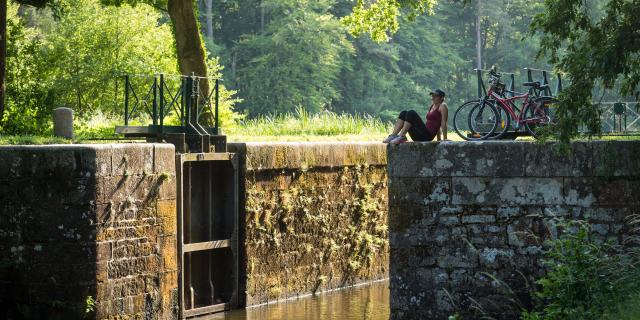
(400, 123)
(417, 129)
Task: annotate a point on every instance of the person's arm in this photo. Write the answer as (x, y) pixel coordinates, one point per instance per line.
(444, 111)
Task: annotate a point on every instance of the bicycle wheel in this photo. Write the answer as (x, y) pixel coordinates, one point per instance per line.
(461, 120)
(483, 120)
(539, 115)
(503, 124)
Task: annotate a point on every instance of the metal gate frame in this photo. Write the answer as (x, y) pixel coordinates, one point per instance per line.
(184, 206)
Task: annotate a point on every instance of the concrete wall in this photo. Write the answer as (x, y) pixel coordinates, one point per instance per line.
(314, 217)
(87, 222)
(464, 215)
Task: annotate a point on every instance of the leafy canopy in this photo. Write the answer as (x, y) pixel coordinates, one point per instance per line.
(596, 43)
(380, 17)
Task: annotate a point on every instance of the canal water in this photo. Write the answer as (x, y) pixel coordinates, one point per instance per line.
(365, 302)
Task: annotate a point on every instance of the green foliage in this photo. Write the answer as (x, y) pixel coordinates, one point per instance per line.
(29, 99)
(378, 18)
(586, 277)
(595, 43)
(281, 56)
(77, 60)
(295, 61)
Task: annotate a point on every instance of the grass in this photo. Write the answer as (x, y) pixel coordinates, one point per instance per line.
(30, 140)
(302, 126)
(628, 310)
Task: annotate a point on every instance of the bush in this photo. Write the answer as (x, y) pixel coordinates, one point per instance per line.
(586, 278)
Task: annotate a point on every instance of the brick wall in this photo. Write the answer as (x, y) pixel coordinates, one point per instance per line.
(88, 222)
(465, 216)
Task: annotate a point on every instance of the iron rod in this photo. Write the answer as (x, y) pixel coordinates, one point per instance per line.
(161, 103)
(217, 104)
(154, 115)
(126, 100)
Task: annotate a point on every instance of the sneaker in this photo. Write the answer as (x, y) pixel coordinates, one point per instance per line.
(399, 140)
(389, 138)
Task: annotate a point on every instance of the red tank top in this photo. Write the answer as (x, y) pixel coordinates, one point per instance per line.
(434, 120)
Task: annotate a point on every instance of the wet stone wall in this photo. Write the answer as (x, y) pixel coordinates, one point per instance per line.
(88, 232)
(314, 217)
(464, 217)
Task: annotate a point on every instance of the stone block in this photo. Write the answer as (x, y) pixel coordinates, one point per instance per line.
(419, 192)
(619, 191)
(466, 159)
(481, 219)
(580, 192)
(506, 191)
(616, 158)
(545, 160)
(132, 159)
(164, 159)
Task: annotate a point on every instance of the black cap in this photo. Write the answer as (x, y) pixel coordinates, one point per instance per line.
(437, 92)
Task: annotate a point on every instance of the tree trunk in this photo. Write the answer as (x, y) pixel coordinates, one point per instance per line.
(190, 51)
(3, 52)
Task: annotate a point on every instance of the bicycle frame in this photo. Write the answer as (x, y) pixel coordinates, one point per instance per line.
(508, 105)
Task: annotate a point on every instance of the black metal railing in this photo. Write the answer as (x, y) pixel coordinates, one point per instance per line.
(542, 76)
(164, 96)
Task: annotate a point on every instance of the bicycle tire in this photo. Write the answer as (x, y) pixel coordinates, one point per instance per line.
(503, 125)
(460, 119)
(482, 124)
(534, 111)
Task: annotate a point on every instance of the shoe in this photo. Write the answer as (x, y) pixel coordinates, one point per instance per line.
(399, 140)
(389, 138)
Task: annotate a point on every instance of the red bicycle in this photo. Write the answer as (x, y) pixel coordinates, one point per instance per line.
(491, 116)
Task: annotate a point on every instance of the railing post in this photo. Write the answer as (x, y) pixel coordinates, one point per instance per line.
(559, 84)
(161, 102)
(126, 100)
(481, 92)
(545, 81)
(154, 115)
(187, 98)
(512, 85)
(217, 104)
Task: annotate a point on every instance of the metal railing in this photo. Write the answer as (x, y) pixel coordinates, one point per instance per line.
(156, 98)
(542, 76)
(619, 118)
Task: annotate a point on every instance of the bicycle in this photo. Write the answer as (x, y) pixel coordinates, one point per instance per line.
(486, 121)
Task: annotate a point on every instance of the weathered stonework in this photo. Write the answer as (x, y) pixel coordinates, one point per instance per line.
(314, 217)
(84, 223)
(463, 217)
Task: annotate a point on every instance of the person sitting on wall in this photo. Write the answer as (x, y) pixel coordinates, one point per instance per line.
(410, 122)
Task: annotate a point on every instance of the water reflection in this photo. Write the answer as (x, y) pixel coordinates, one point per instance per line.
(368, 302)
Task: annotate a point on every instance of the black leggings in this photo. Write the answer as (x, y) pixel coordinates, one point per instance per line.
(418, 131)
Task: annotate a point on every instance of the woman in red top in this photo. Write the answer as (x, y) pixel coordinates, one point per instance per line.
(410, 122)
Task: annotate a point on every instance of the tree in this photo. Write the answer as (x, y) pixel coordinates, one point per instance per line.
(380, 17)
(295, 62)
(596, 44)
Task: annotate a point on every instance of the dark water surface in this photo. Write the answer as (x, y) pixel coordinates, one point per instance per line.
(366, 302)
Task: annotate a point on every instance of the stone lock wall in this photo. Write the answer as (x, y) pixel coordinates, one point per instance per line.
(467, 218)
(314, 217)
(88, 231)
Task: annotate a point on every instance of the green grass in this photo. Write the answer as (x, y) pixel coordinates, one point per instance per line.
(302, 126)
(30, 140)
(628, 310)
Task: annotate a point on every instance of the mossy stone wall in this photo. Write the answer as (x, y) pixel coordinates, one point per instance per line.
(88, 232)
(315, 217)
